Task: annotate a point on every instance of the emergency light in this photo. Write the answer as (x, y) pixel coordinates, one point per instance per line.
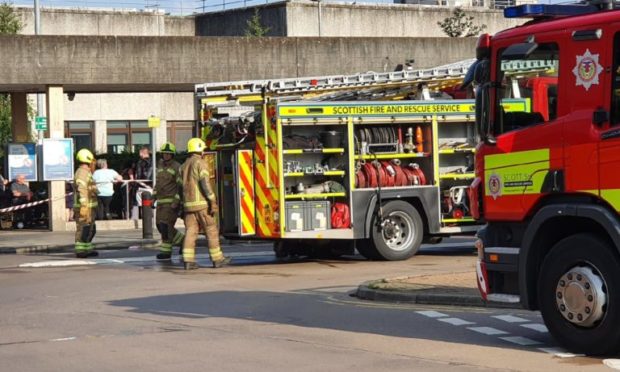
(547, 10)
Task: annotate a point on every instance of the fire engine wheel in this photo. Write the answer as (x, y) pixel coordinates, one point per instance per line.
(399, 234)
(578, 294)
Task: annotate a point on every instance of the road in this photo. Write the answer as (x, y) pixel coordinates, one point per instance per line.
(128, 312)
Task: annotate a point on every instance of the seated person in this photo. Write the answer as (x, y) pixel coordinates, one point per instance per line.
(21, 194)
(20, 191)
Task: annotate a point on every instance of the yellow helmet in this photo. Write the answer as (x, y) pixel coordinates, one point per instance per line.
(85, 156)
(168, 148)
(196, 145)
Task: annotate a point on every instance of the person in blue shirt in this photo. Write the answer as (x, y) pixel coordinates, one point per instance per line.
(105, 178)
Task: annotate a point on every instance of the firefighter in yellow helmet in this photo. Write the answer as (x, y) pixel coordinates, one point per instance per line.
(85, 205)
(200, 207)
(166, 194)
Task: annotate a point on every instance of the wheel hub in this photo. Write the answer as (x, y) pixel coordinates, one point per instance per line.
(398, 230)
(580, 296)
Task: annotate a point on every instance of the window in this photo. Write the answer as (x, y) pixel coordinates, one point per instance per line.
(179, 132)
(126, 136)
(533, 78)
(82, 134)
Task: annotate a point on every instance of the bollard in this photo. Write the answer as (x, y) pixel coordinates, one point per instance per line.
(147, 215)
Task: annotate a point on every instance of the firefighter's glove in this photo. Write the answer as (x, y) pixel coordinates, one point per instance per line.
(84, 213)
(213, 209)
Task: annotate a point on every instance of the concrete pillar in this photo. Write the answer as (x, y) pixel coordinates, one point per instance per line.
(56, 129)
(101, 137)
(19, 112)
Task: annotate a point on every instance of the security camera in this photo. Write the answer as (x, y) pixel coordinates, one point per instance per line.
(71, 96)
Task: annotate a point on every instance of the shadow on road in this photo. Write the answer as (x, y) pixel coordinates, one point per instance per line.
(312, 310)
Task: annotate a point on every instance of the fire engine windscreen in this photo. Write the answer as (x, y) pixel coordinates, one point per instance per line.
(530, 72)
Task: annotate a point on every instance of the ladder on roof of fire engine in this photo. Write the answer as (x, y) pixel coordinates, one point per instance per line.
(291, 86)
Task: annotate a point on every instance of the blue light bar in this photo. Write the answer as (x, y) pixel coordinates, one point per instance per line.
(547, 10)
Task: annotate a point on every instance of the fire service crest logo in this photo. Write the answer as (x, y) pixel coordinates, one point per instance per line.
(587, 70)
(495, 186)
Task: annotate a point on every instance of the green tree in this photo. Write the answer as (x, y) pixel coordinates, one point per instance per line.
(460, 24)
(254, 27)
(10, 24)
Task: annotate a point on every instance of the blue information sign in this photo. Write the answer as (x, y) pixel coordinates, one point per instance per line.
(22, 160)
(57, 159)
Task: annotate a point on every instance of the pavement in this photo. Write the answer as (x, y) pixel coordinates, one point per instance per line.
(452, 289)
(45, 241)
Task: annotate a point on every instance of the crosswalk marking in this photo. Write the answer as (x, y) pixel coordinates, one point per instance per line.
(455, 321)
(523, 341)
(488, 331)
(432, 314)
(510, 318)
(536, 327)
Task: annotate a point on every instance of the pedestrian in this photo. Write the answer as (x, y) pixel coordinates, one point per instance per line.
(166, 193)
(144, 167)
(200, 207)
(128, 189)
(105, 178)
(69, 201)
(84, 204)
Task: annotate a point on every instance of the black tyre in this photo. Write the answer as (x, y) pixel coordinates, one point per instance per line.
(367, 250)
(579, 294)
(399, 234)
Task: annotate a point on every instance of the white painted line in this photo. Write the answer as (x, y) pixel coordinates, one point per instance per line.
(523, 341)
(612, 363)
(559, 352)
(488, 331)
(510, 318)
(432, 314)
(537, 327)
(58, 263)
(116, 261)
(455, 321)
(64, 339)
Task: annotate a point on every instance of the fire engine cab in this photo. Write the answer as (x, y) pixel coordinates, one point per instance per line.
(548, 180)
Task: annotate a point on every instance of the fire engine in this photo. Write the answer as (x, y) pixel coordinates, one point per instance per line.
(548, 179)
(376, 161)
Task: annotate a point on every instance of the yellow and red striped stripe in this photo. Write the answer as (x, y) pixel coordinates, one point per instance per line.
(246, 198)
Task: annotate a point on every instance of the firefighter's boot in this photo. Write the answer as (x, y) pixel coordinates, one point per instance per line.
(163, 256)
(221, 263)
(190, 265)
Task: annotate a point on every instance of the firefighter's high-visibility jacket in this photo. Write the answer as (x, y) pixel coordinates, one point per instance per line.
(166, 187)
(85, 189)
(192, 172)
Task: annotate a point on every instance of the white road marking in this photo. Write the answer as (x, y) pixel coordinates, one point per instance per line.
(455, 321)
(612, 363)
(559, 352)
(537, 327)
(488, 331)
(64, 339)
(116, 261)
(432, 314)
(510, 318)
(523, 341)
(58, 263)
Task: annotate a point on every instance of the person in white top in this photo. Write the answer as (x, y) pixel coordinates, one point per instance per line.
(105, 178)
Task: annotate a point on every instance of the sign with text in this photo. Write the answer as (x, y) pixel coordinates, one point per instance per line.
(22, 159)
(154, 122)
(40, 123)
(57, 159)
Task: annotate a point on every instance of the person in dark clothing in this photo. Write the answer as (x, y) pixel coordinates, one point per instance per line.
(144, 167)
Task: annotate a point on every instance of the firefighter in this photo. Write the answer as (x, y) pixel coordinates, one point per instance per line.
(85, 205)
(200, 206)
(166, 193)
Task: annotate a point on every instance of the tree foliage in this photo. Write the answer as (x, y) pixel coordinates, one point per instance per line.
(10, 24)
(254, 27)
(460, 24)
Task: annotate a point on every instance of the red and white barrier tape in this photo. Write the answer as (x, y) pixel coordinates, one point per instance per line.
(32, 204)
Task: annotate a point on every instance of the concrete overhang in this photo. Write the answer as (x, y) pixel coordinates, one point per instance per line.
(102, 64)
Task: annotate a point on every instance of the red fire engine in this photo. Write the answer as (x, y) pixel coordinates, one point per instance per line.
(548, 180)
